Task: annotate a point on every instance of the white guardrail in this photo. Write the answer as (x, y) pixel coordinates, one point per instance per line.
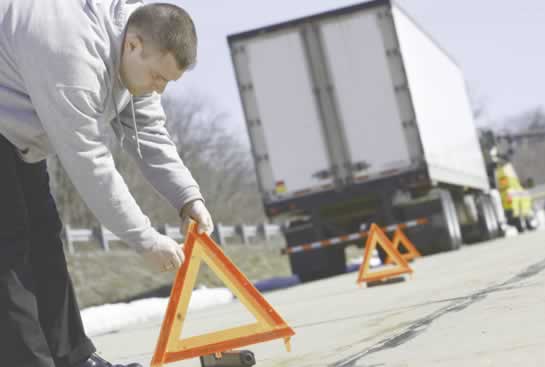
(537, 192)
(247, 234)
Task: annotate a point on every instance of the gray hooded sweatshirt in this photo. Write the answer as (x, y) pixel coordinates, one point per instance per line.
(59, 89)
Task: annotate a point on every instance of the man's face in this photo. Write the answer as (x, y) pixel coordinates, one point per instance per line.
(144, 69)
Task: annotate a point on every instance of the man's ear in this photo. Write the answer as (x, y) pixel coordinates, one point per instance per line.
(133, 41)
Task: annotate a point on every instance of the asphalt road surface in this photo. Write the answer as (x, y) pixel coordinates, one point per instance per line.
(481, 306)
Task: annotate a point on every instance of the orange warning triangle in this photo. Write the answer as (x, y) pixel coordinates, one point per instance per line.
(269, 326)
(377, 237)
(401, 239)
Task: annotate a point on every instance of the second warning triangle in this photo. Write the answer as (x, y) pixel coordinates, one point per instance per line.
(400, 239)
(400, 265)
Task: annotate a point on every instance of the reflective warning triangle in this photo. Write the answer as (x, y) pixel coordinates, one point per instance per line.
(377, 237)
(269, 326)
(401, 239)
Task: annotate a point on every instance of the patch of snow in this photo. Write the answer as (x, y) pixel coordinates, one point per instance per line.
(510, 231)
(108, 318)
(540, 217)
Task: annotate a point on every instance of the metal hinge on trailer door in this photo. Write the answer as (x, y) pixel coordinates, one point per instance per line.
(359, 166)
(261, 158)
(323, 174)
(401, 87)
(246, 87)
(408, 123)
(393, 52)
(254, 122)
(238, 50)
(386, 13)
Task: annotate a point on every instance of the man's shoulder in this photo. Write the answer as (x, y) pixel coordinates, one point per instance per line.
(75, 47)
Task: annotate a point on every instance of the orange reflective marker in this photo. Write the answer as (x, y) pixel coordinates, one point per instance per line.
(377, 237)
(401, 239)
(269, 326)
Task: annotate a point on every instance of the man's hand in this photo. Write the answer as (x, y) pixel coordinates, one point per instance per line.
(165, 255)
(197, 211)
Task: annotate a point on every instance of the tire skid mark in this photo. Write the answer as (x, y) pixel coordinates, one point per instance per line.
(421, 325)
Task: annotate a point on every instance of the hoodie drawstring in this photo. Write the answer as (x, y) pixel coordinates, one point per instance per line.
(122, 138)
(135, 129)
(118, 120)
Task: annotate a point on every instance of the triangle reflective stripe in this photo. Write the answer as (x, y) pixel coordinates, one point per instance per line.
(401, 239)
(377, 237)
(269, 325)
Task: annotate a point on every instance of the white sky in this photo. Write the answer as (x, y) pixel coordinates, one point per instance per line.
(498, 44)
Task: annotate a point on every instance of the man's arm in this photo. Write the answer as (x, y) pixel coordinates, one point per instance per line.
(65, 94)
(160, 162)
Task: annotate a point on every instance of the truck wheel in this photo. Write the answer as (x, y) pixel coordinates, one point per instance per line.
(314, 264)
(451, 238)
(318, 264)
(487, 220)
(496, 229)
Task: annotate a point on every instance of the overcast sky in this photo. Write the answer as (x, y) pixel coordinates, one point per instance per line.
(499, 45)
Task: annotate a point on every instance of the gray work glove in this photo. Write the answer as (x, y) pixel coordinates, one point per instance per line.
(164, 255)
(197, 211)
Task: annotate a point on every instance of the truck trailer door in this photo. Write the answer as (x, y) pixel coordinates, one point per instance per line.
(367, 98)
(289, 119)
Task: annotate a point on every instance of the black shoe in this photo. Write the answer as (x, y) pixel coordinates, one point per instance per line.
(95, 361)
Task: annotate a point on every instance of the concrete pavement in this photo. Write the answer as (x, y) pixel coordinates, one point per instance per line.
(481, 306)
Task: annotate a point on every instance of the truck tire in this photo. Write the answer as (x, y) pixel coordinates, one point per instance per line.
(443, 232)
(488, 224)
(450, 237)
(314, 264)
(496, 228)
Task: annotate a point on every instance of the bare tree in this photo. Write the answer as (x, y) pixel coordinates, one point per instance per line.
(479, 108)
(528, 143)
(220, 163)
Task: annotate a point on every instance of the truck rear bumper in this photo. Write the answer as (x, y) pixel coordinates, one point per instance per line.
(410, 180)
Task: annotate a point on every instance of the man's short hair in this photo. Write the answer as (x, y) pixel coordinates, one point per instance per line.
(170, 28)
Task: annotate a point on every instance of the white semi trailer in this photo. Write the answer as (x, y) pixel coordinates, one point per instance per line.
(356, 116)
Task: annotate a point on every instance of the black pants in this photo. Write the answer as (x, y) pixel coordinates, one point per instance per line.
(40, 322)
